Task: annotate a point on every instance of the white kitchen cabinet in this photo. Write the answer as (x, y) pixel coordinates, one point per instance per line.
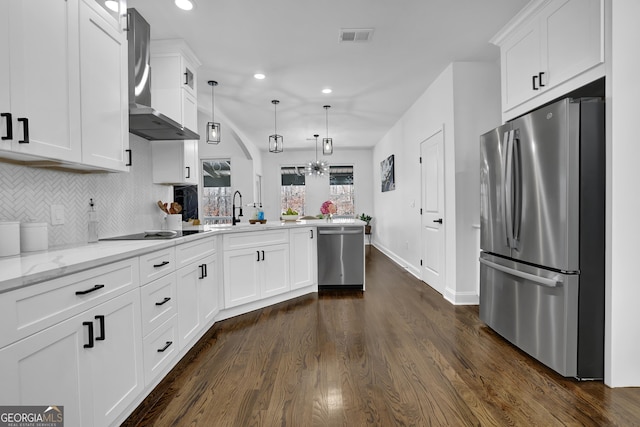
(103, 92)
(73, 111)
(557, 41)
(197, 298)
(44, 100)
(303, 257)
(116, 18)
(198, 285)
(175, 162)
(174, 90)
(256, 266)
(94, 377)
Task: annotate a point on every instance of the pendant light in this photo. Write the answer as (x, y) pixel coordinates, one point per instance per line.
(327, 143)
(213, 128)
(275, 140)
(317, 167)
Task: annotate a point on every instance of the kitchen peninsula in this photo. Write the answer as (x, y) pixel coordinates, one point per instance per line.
(105, 322)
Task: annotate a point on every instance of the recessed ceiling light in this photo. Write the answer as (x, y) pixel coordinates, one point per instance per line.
(185, 4)
(327, 90)
(112, 5)
(259, 76)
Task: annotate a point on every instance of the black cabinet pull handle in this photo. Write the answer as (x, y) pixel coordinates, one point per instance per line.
(540, 79)
(100, 318)
(206, 273)
(258, 252)
(533, 82)
(311, 231)
(130, 162)
(262, 255)
(186, 78)
(9, 126)
(162, 264)
(166, 346)
(203, 273)
(88, 291)
(164, 301)
(89, 325)
(188, 171)
(25, 130)
(439, 220)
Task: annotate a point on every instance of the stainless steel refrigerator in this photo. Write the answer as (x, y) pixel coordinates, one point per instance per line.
(542, 213)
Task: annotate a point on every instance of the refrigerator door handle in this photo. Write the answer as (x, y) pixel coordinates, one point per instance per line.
(549, 283)
(517, 190)
(508, 189)
(503, 178)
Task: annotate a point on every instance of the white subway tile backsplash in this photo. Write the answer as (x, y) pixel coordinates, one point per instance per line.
(126, 202)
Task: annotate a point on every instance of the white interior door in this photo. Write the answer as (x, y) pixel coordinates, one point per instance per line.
(433, 250)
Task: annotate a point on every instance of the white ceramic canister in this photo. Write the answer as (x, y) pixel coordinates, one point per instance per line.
(174, 222)
(34, 236)
(9, 238)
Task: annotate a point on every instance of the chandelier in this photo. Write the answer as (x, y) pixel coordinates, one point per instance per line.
(317, 167)
(275, 140)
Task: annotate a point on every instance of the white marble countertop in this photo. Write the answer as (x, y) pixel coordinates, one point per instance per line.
(30, 268)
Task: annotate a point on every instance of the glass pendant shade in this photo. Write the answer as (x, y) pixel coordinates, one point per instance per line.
(213, 133)
(213, 128)
(275, 143)
(327, 143)
(327, 146)
(275, 140)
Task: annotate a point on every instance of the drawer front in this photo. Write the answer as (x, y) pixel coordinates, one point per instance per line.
(157, 264)
(193, 251)
(251, 239)
(33, 308)
(158, 302)
(160, 349)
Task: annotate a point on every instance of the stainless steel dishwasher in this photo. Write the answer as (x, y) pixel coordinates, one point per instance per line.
(341, 257)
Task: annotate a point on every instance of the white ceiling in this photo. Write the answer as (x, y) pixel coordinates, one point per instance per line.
(296, 44)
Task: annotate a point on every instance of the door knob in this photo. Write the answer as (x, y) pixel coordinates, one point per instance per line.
(439, 220)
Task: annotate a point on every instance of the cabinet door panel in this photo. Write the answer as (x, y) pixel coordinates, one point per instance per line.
(103, 83)
(303, 257)
(573, 37)
(520, 62)
(48, 99)
(208, 292)
(5, 73)
(241, 280)
(117, 375)
(275, 270)
(189, 316)
(47, 369)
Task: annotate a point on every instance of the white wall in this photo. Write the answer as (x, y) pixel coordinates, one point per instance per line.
(464, 101)
(317, 188)
(622, 335)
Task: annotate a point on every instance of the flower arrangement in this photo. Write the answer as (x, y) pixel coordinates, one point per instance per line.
(328, 208)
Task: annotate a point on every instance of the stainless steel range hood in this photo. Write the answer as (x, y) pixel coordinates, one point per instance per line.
(144, 120)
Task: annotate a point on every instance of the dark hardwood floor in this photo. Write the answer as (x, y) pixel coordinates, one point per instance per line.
(396, 355)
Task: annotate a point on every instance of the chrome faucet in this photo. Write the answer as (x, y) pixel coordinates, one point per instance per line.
(235, 220)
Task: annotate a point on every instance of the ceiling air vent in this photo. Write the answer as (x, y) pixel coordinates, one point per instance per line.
(359, 35)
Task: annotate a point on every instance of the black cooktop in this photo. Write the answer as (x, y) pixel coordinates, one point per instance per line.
(156, 235)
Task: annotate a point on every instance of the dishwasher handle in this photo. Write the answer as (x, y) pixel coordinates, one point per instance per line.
(322, 231)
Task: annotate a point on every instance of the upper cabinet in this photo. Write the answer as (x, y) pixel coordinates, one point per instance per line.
(66, 84)
(173, 81)
(103, 91)
(44, 100)
(550, 48)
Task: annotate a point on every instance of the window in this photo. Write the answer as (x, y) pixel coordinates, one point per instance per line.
(292, 191)
(341, 189)
(216, 191)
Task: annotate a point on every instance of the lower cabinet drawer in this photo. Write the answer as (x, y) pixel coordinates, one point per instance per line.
(33, 308)
(160, 348)
(158, 302)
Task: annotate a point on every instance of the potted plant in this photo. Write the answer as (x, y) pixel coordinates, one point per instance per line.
(366, 218)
